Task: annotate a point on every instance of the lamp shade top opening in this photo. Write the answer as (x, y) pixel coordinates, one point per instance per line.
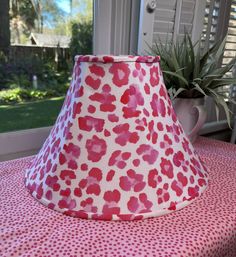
(117, 58)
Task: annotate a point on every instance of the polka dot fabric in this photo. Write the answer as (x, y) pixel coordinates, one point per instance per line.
(117, 150)
(205, 228)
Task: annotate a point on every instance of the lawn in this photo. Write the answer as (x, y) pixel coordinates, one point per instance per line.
(30, 114)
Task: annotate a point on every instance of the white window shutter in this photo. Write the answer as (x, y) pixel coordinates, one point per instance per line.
(170, 20)
(219, 21)
(230, 48)
(187, 16)
(164, 20)
(211, 21)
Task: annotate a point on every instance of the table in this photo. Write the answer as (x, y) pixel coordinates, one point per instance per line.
(207, 227)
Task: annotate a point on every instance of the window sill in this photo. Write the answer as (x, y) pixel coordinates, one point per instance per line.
(22, 143)
(27, 142)
(214, 126)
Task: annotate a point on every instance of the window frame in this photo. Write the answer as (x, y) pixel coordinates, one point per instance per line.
(107, 39)
(109, 25)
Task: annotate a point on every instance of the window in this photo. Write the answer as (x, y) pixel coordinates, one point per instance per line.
(36, 63)
(38, 40)
(230, 49)
(211, 21)
(220, 21)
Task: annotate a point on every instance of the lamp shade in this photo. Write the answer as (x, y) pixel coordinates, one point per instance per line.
(117, 150)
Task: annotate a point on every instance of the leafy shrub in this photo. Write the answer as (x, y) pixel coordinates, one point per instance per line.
(20, 72)
(9, 96)
(13, 95)
(3, 63)
(20, 80)
(18, 95)
(36, 94)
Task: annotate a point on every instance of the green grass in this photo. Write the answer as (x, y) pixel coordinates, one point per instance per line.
(29, 115)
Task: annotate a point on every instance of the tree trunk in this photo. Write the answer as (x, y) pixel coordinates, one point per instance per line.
(4, 26)
(70, 7)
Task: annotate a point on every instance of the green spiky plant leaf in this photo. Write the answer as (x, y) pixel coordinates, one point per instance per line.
(189, 73)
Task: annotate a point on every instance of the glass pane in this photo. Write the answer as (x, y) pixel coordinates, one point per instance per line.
(36, 63)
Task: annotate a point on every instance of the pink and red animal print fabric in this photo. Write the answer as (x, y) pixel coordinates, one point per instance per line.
(117, 150)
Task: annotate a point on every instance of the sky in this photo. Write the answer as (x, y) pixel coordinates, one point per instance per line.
(64, 4)
(78, 7)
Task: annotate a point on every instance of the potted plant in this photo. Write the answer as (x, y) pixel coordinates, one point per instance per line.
(190, 75)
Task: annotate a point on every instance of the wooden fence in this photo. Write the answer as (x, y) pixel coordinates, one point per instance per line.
(56, 54)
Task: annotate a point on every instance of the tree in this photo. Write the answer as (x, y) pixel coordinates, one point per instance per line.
(23, 17)
(81, 21)
(82, 10)
(4, 26)
(52, 14)
(82, 38)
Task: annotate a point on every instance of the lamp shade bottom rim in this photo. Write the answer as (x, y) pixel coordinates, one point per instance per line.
(122, 216)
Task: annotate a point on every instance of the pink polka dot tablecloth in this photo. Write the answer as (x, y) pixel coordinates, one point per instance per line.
(207, 227)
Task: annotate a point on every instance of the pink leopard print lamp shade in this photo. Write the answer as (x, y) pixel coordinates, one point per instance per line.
(117, 150)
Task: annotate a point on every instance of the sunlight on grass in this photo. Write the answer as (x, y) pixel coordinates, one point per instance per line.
(56, 98)
(4, 106)
(27, 103)
(29, 115)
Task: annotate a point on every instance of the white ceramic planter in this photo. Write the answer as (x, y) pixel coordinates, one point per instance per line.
(192, 115)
